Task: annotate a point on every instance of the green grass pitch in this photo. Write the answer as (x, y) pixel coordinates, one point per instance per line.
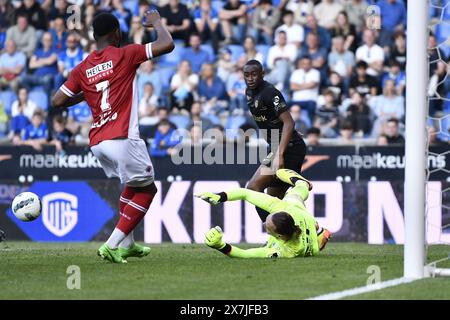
(38, 271)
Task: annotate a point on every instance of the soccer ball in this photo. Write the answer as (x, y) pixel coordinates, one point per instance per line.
(26, 206)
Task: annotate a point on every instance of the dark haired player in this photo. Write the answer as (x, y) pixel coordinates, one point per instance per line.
(293, 231)
(287, 148)
(107, 80)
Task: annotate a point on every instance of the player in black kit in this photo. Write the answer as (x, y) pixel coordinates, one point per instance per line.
(287, 148)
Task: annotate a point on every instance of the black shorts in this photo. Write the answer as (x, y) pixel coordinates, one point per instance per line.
(293, 157)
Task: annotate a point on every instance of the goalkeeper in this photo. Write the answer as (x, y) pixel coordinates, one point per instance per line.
(293, 231)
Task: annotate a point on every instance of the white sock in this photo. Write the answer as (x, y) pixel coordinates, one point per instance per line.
(128, 241)
(116, 237)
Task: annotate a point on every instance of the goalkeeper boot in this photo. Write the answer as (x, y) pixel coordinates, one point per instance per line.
(112, 255)
(323, 238)
(291, 177)
(135, 250)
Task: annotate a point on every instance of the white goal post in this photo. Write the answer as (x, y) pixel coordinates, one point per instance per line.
(416, 146)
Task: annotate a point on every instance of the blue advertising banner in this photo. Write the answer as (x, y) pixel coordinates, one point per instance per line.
(71, 211)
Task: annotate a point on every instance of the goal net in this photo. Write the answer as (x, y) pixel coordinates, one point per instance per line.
(437, 137)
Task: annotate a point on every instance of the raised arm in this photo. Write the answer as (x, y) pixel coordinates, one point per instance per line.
(213, 239)
(164, 43)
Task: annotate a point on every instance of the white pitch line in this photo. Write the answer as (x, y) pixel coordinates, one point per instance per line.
(365, 289)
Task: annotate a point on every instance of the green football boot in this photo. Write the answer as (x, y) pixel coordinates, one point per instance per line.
(136, 250)
(112, 255)
(291, 177)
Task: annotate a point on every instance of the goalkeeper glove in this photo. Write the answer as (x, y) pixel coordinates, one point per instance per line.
(212, 198)
(213, 238)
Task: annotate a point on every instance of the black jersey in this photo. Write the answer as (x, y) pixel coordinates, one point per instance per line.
(266, 104)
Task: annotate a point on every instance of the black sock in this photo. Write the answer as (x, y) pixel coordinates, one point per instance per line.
(262, 214)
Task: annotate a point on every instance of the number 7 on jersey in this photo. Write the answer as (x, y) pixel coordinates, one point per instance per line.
(104, 87)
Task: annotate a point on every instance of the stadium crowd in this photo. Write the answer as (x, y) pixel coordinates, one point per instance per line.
(344, 82)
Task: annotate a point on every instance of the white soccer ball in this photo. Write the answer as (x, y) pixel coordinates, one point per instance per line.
(26, 206)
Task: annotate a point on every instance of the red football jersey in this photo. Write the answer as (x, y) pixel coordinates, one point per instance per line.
(108, 80)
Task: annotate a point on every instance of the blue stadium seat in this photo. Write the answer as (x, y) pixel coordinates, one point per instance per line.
(264, 50)
(444, 134)
(172, 59)
(305, 117)
(442, 32)
(7, 97)
(210, 50)
(165, 74)
(217, 5)
(132, 5)
(2, 40)
(181, 121)
(236, 51)
(39, 97)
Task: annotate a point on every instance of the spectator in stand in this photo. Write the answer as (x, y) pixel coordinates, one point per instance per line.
(371, 53)
(437, 89)
(387, 106)
(175, 16)
(382, 140)
(296, 113)
(346, 135)
(347, 30)
(357, 12)
(197, 119)
(35, 14)
(264, 20)
(225, 64)
(12, 66)
(124, 16)
(317, 53)
(7, 13)
(59, 34)
(35, 134)
(195, 135)
(434, 53)
(195, 54)
(300, 8)
(23, 35)
(326, 13)
(250, 51)
(148, 105)
(68, 59)
(138, 34)
(79, 122)
(312, 137)
(392, 132)
(146, 73)
(398, 51)
(236, 91)
(212, 90)
(206, 21)
(327, 116)
(395, 74)
(280, 59)
(44, 65)
(182, 88)
(23, 105)
(393, 13)
(165, 140)
(433, 140)
(363, 83)
(60, 10)
(233, 20)
(294, 31)
(359, 115)
(323, 34)
(304, 83)
(341, 60)
(335, 84)
(60, 137)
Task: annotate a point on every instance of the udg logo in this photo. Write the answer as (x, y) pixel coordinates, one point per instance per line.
(59, 212)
